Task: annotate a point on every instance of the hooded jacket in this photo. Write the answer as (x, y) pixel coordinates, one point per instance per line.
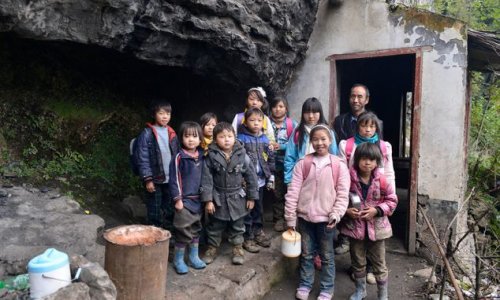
(320, 197)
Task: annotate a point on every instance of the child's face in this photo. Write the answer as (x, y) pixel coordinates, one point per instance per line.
(311, 118)
(367, 129)
(162, 117)
(253, 101)
(190, 140)
(366, 165)
(321, 142)
(225, 140)
(208, 129)
(279, 110)
(254, 123)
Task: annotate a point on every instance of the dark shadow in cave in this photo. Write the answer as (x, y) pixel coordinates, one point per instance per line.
(133, 81)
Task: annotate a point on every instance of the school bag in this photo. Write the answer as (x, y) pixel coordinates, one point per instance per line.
(308, 159)
(134, 153)
(350, 145)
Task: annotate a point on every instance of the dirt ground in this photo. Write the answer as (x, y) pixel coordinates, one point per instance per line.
(401, 284)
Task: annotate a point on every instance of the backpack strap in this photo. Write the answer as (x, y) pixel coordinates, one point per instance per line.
(383, 185)
(335, 175)
(178, 173)
(307, 165)
(171, 133)
(349, 145)
(383, 148)
(289, 127)
(296, 138)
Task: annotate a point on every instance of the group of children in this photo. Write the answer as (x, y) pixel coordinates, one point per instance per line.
(218, 175)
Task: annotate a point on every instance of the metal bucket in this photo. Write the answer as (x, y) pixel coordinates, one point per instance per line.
(136, 260)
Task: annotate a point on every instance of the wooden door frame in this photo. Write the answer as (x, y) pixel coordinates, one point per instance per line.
(334, 103)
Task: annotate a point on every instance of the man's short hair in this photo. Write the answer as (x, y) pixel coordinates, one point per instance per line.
(363, 86)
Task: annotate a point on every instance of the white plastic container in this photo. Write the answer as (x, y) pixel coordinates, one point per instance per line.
(48, 272)
(291, 243)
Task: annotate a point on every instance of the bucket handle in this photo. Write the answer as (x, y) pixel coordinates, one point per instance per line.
(77, 276)
(295, 235)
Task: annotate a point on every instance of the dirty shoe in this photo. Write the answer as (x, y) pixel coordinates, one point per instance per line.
(324, 296)
(250, 246)
(262, 240)
(370, 278)
(279, 226)
(342, 248)
(238, 255)
(360, 292)
(210, 254)
(302, 293)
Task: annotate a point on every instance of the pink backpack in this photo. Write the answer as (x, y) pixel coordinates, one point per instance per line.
(350, 145)
(307, 167)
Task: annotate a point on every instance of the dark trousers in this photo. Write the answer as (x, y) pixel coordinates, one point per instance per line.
(160, 208)
(187, 226)
(254, 220)
(279, 196)
(216, 227)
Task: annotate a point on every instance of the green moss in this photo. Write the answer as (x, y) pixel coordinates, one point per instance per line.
(413, 17)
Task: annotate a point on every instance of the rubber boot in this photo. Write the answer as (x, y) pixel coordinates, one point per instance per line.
(194, 258)
(360, 292)
(382, 291)
(179, 264)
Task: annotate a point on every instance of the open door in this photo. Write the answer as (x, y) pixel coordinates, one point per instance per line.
(393, 78)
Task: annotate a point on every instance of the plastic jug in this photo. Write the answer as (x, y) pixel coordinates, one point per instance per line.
(48, 272)
(291, 243)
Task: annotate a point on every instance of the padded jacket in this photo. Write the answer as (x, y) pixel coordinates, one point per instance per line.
(257, 148)
(149, 155)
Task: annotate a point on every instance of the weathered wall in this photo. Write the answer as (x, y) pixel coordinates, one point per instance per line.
(359, 26)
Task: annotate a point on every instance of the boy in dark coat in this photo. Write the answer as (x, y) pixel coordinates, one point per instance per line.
(227, 203)
(156, 145)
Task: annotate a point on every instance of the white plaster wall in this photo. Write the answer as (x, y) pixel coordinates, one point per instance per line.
(362, 25)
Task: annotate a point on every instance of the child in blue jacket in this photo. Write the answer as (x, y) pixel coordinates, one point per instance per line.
(156, 145)
(184, 185)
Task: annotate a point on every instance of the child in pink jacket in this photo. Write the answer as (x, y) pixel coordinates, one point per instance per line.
(315, 202)
(367, 224)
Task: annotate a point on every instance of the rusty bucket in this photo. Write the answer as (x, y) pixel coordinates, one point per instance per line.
(136, 260)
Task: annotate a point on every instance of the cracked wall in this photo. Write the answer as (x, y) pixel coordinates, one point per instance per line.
(363, 26)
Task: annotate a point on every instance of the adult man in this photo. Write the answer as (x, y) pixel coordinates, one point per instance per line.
(345, 127)
(345, 124)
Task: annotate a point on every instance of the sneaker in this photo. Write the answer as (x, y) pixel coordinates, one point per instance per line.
(250, 246)
(302, 293)
(342, 248)
(238, 255)
(279, 226)
(370, 278)
(262, 240)
(324, 296)
(210, 255)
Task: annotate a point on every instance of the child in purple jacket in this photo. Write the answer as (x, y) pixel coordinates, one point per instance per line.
(367, 225)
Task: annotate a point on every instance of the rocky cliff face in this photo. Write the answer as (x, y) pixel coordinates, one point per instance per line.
(241, 42)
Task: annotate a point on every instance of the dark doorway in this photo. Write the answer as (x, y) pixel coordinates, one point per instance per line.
(391, 79)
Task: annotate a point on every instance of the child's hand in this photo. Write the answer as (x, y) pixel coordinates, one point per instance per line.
(210, 208)
(250, 204)
(150, 187)
(331, 225)
(352, 213)
(368, 213)
(275, 146)
(179, 205)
